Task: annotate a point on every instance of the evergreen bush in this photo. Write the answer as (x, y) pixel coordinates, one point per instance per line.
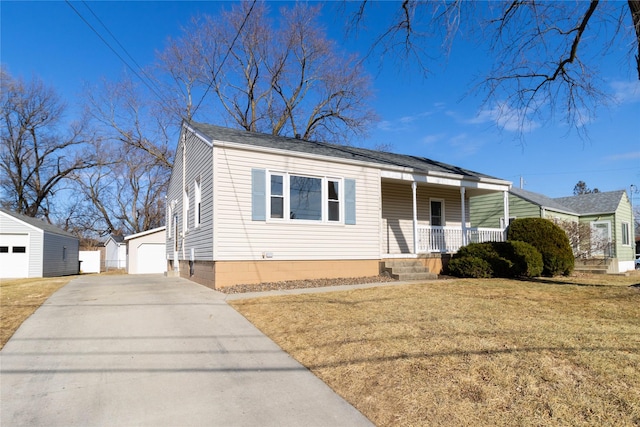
(469, 266)
(549, 239)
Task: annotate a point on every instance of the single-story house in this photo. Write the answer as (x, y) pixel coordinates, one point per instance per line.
(115, 254)
(30, 247)
(608, 215)
(146, 252)
(246, 207)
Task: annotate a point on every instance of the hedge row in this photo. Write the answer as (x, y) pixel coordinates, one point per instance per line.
(535, 247)
(496, 259)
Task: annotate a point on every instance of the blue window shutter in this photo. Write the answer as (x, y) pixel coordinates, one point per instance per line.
(350, 201)
(258, 195)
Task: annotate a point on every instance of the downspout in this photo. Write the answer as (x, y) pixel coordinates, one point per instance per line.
(464, 216)
(414, 186)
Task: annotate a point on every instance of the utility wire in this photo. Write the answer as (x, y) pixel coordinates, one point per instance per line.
(215, 76)
(145, 82)
(571, 172)
(121, 46)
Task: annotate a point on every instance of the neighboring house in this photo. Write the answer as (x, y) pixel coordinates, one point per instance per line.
(146, 252)
(115, 254)
(245, 207)
(608, 215)
(30, 247)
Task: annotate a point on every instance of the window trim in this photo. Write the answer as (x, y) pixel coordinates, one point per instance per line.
(197, 204)
(625, 236)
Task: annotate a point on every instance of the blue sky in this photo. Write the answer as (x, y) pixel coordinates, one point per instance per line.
(428, 117)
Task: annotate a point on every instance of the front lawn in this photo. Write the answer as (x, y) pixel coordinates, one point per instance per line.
(471, 352)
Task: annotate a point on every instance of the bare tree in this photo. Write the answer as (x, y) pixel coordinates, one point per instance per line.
(125, 192)
(546, 52)
(283, 78)
(39, 151)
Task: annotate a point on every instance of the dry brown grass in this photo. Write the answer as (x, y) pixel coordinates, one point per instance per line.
(19, 298)
(471, 352)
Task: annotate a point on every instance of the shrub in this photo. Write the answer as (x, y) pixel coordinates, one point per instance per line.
(469, 266)
(506, 259)
(549, 239)
(500, 266)
(526, 260)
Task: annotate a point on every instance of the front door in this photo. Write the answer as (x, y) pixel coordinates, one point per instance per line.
(601, 238)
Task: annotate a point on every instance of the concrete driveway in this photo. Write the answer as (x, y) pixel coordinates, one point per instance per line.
(150, 350)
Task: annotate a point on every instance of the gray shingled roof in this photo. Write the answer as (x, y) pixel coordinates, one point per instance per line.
(418, 164)
(542, 200)
(593, 203)
(38, 223)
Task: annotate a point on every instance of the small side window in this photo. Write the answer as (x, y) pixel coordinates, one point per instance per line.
(333, 200)
(19, 249)
(277, 196)
(4, 249)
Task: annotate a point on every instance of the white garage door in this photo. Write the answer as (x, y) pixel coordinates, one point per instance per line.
(14, 255)
(151, 258)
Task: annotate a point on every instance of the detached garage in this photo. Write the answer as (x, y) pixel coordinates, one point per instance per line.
(30, 247)
(146, 252)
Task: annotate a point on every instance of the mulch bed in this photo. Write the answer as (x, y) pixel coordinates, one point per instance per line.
(298, 284)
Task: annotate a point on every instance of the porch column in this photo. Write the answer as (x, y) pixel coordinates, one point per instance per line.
(463, 216)
(414, 186)
(505, 201)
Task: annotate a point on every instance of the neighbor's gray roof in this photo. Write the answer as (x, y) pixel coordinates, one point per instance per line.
(418, 164)
(542, 200)
(593, 203)
(38, 223)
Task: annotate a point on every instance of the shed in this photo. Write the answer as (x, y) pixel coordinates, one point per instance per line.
(115, 252)
(146, 252)
(31, 247)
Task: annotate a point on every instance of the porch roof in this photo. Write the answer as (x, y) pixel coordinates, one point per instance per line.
(393, 161)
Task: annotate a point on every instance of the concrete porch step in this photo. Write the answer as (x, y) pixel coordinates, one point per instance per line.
(415, 276)
(410, 269)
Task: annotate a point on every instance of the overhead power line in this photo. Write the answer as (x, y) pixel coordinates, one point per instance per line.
(145, 82)
(215, 75)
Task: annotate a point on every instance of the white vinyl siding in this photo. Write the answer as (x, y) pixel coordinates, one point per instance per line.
(397, 212)
(198, 169)
(10, 225)
(239, 237)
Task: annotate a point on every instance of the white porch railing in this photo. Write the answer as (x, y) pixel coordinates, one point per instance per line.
(449, 239)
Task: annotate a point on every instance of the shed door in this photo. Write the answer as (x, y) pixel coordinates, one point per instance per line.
(151, 258)
(14, 255)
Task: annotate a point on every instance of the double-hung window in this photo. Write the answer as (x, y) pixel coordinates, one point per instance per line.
(304, 198)
(197, 212)
(626, 234)
(277, 196)
(333, 200)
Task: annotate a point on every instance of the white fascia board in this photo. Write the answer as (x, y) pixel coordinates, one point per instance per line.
(144, 233)
(453, 180)
(198, 135)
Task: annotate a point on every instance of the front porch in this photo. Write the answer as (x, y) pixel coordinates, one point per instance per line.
(422, 215)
